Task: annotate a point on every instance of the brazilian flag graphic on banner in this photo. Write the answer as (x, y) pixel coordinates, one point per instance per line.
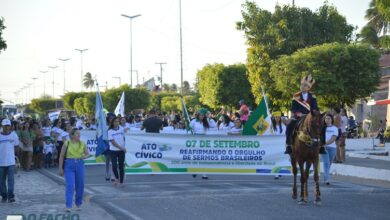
(259, 122)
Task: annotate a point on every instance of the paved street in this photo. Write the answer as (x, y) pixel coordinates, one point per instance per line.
(233, 197)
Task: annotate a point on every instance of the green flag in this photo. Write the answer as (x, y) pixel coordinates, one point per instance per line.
(259, 122)
(185, 115)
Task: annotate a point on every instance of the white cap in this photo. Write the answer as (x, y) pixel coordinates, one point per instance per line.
(5, 122)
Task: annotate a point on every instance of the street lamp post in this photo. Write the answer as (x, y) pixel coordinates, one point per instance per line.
(136, 72)
(131, 46)
(119, 78)
(161, 81)
(181, 52)
(64, 60)
(53, 67)
(44, 83)
(34, 78)
(81, 64)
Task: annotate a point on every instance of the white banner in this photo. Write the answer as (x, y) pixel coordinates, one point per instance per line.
(181, 153)
(173, 154)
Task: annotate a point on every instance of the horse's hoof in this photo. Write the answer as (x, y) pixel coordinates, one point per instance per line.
(318, 202)
(302, 202)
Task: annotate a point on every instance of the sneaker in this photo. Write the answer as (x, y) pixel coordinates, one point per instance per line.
(193, 175)
(11, 200)
(205, 177)
(4, 200)
(288, 150)
(67, 210)
(327, 183)
(77, 208)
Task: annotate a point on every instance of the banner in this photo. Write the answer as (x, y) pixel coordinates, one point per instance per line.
(54, 115)
(178, 154)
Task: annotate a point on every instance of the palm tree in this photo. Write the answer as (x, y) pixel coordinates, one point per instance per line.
(88, 81)
(378, 16)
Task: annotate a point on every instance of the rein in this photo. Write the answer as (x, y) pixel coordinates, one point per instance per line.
(307, 137)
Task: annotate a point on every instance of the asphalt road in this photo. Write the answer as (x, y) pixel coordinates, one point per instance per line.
(232, 197)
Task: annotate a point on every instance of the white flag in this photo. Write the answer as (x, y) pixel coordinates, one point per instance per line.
(54, 115)
(120, 108)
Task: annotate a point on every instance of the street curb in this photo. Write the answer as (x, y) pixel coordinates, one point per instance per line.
(360, 172)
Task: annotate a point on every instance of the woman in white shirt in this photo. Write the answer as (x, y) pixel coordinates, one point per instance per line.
(116, 137)
(226, 123)
(200, 125)
(330, 132)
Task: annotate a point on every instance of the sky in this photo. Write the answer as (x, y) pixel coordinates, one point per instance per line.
(40, 32)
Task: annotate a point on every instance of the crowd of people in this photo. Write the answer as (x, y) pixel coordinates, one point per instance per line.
(46, 143)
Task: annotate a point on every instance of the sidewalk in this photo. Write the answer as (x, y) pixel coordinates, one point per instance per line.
(38, 197)
(364, 160)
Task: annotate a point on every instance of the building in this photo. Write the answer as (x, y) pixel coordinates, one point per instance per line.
(370, 115)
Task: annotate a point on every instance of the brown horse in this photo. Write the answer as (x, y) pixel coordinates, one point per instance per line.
(305, 150)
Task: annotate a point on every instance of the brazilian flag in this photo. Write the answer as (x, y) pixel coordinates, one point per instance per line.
(259, 122)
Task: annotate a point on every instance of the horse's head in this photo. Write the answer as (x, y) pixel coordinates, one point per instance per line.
(316, 123)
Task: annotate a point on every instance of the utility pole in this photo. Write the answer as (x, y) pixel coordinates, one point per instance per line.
(131, 45)
(44, 83)
(181, 51)
(64, 60)
(34, 78)
(53, 67)
(81, 64)
(161, 78)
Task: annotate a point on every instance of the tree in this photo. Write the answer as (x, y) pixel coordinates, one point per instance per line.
(169, 103)
(378, 16)
(70, 97)
(374, 33)
(219, 85)
(270, 35)
(79, 106)
(343, 73)
(186, 88)
(155, 100)
(43, 105)
(3, 44)
(88, 80)
(134, 98)
(166, 87)
(174, 87)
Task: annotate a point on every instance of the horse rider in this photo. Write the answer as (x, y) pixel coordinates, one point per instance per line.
(302, 103)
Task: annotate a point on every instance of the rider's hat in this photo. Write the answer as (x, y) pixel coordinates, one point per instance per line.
(308, 80)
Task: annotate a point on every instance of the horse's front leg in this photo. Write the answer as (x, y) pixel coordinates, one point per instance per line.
(316, 180)
(303, 177)
(295, 172)
(307, 172)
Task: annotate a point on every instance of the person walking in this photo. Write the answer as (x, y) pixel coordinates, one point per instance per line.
(116, 137)
(199, 126)
(330, 133)
(26, 137)
(8, 142)
(71, 164)
(152, 124)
